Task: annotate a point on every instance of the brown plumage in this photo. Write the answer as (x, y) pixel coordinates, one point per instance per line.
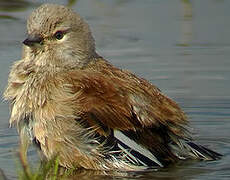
(74, 104)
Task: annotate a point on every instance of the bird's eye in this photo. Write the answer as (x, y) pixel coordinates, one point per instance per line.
(59, 35)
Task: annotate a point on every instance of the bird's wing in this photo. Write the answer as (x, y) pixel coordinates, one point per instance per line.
(146, 124)
(111, 102)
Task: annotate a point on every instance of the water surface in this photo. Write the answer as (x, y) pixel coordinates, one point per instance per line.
(183, 47)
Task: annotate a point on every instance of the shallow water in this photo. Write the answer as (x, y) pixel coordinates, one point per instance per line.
(183, 47)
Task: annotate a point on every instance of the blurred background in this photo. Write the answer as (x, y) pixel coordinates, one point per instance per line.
(181, 46)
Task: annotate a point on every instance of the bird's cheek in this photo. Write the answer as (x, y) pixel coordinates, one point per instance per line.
(49, 47)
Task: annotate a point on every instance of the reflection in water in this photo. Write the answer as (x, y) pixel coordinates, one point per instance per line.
(21, 5)
(70, 3)
(4, 16)
(174, 172)
(2, 175)
(7, 6)
(14, 5)
(186, 23)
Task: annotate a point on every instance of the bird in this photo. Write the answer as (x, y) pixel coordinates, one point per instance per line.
(70, 102)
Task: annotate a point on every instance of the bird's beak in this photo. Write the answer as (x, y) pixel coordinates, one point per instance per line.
(32, 40)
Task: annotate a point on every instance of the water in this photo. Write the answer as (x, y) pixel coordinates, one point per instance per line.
(183, 47)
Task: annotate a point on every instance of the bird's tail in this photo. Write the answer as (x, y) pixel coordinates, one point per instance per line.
(188, 150)
(180, 148)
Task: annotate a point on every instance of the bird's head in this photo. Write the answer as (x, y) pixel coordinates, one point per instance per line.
(57, 36)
